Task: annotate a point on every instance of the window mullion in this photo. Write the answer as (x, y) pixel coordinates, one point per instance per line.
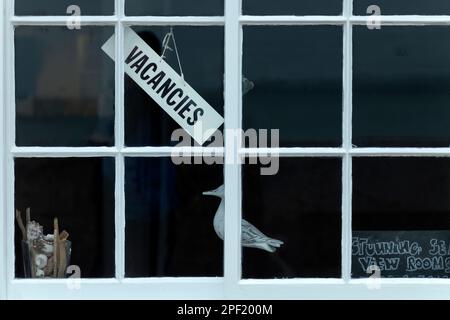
(119, 142)
(347, 144)
(232, 173)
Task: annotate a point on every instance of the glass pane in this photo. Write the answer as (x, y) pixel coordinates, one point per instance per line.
(202, 59)
(80, 193)
(300, 206)
(169, 222)
(389, 7)
(397, 200)
(292, 7)
(59, 7)
(174, 8)
(297, 83)
(401, 87)
(64, 87)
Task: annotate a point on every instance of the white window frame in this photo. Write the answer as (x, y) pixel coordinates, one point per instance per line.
(231, 286)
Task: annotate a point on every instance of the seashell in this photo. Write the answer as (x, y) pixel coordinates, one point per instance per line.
(39, 273)
(47, 248)
(49, 237)
(34, 230)
(41, 261)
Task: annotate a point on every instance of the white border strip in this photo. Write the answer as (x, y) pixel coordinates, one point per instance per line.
(3, 210)
(10, 125)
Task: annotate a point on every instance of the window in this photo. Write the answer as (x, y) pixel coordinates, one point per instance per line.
(362, 155)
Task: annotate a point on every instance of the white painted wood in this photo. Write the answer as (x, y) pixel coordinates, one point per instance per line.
(119, 131)
(164, 21)
(62, 152)
(92, 289)
(403, 20)
(9, 138)
(3, 210)
(232, 170)
(292, 20)
(294, 152)
(401, 152)
(62, 20)
(346, 254)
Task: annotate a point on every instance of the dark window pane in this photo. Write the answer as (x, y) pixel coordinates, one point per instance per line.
(297, 83)
(80, 193)
(301, 206)
(401, 87)
(169, 222)
(201, 53)
(64, 87)
(59, 7)
(398, 199)
(292, 7)
(174, 8)
(396, 7)
(401, 193)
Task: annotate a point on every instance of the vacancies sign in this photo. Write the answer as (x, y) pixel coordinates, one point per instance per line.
(166, 87)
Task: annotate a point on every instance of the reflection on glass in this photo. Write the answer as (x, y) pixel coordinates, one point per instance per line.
(201, 55)
(169, 222)
(80, 193)
(389, 7)
(292, 7)
(401, 81)
(401, 217)
(174, 8)
(59, 7)
(300, 206)
(64, 87)
(297, 76)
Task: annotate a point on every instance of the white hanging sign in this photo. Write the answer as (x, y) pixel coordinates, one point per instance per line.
(166, 87)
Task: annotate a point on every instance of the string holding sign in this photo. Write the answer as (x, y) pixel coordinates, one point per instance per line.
(171, 36)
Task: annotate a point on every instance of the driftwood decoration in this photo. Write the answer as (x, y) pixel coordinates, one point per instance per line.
(44, 256)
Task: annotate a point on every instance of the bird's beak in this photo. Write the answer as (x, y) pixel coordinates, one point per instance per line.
(208, 193)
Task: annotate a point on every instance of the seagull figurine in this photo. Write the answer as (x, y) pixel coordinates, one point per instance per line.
(251, 236)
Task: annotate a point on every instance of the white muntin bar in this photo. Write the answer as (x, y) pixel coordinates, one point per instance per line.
(292, 20)
(232, 170)
(346, 205)
(293, 152)
(169, 151)
(413, 20)
(62, 20)
(119, 130)
(400, 152)
(173, 21)
(62, 152)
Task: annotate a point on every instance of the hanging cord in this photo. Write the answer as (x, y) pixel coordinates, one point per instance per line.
(166, 40)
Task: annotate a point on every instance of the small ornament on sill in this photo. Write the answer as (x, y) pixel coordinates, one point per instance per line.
(44, 256)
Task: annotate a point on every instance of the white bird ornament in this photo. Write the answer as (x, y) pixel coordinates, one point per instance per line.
(251, 236)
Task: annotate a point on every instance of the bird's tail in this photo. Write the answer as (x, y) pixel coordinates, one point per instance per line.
(275, 242)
